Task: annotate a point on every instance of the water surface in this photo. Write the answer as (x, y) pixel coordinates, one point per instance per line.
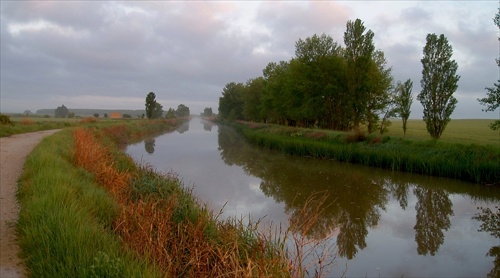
(382, 223)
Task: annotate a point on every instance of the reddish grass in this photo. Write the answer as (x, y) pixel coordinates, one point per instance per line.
(88, 120)
(26, 121)
(96, 158)
(190, 247)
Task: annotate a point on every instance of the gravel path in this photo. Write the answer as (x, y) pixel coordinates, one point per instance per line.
(13, 152)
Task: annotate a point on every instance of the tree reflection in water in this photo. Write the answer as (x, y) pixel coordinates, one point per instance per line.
(149, 145)
(434, 209)
(357, 195)
(491, 223)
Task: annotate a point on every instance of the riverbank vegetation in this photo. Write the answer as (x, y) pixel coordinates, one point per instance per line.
(87, 210)
(468, 162)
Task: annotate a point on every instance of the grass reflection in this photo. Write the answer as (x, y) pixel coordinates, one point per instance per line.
(357, 195)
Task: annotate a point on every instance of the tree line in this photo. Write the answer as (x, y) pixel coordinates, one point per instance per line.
(330, 86)
(154, 110)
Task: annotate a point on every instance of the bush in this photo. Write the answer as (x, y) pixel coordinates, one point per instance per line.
(5, 120)
(356, 136)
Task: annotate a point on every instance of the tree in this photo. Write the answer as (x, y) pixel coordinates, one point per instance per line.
(358, 54)
(492, 101)
(439, 82)
(61, 112)
(157, 111)
(150, 104)
(182, 111)
(96, 115)
(27, 112)
(389, 110)
(170, 113)
(380, 97)
(251, 99)
(207, 112)
(231, 102)
(403, 101)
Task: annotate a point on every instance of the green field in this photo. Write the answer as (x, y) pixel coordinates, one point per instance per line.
(464, 131)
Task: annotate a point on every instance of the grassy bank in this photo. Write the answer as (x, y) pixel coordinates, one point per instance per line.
(66, 219)
(87, 210)
(469, 162)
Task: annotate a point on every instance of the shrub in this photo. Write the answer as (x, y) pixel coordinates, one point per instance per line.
(357, 135)
(5, 120)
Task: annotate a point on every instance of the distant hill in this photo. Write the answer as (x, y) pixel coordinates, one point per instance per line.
(91, 112)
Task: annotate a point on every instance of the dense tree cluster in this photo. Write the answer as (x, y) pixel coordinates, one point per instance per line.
(154, 110)
(324, 85)
(61, 112)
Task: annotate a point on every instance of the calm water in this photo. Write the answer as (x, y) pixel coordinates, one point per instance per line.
(381, 223)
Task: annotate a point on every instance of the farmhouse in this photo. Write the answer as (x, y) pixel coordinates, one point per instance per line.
(115, 115)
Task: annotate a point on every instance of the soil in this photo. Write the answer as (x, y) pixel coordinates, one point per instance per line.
(13, 152)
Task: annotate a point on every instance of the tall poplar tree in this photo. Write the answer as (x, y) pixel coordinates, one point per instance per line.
(359, 49)
(404, 99)
(150, 105)
(439, 82)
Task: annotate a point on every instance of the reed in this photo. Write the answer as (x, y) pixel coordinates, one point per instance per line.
(473, 163)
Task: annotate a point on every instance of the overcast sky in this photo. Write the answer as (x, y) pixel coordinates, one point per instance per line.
(109, 55)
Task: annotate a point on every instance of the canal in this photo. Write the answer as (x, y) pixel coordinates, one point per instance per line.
(380, 223)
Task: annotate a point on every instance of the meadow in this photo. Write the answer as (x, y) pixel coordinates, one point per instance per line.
(464, 131)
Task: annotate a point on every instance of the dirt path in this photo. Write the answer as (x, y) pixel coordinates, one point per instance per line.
(13, 152)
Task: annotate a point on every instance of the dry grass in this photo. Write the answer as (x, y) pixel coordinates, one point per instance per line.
(26, 121)
(162, 221)
(96, 158)
(88, 120)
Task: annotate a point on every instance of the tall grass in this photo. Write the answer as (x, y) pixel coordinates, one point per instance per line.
(66, 220)
(479, 164)
(162, 220)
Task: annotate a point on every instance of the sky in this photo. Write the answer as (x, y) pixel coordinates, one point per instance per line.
(109, 55)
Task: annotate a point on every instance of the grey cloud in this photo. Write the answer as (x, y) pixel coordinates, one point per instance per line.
(187, 51)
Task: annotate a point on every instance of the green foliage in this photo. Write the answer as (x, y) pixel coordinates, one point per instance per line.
(324, 85)
(182, 111)
(207, 112)
(251, 99)
(439, 82)
(61, 112)
(170, 114)
(472, 163)
(231, 101)
(492, 102)
(5, 120)
(150, 105)
(403, 100)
